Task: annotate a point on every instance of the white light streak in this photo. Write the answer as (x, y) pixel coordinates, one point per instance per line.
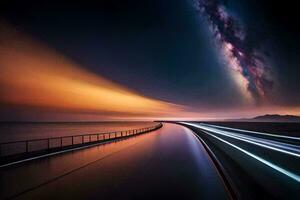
(292, 175)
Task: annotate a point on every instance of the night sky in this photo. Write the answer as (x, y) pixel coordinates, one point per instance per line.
(209, 56)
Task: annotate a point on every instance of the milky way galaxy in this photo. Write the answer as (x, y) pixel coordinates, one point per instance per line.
(148, 60)
(244, 58)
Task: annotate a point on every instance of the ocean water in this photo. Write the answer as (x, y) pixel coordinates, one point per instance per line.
(26, 131)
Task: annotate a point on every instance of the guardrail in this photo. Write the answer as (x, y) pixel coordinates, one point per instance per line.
(56, 143)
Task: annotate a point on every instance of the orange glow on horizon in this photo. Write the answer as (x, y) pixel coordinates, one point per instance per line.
(34, 75)
(38, 78)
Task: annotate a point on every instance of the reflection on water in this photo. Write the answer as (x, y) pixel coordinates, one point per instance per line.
(15, 179)
(27, 131)
(163, 164)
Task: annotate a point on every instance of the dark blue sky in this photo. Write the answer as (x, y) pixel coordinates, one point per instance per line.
(163, 49)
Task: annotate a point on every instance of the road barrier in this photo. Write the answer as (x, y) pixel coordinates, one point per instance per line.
(25, 147)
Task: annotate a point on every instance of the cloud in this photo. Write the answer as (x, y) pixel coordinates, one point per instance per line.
(35, 76)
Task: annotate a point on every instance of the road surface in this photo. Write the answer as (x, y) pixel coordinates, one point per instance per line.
(166, 163)
(257, 163)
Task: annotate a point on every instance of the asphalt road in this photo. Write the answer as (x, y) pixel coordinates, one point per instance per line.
(260, 165)
(167, 163)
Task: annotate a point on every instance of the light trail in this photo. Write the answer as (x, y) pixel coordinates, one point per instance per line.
(292, 175)
(255, 132)
(276, 146)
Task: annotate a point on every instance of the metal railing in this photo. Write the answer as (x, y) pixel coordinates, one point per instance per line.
(56, 143)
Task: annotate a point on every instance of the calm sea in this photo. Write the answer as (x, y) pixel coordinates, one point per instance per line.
(26, 131)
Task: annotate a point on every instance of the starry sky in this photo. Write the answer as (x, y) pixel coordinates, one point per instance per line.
(186, 58)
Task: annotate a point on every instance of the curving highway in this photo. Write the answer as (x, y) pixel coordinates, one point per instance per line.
(167, 163)
(259, 165)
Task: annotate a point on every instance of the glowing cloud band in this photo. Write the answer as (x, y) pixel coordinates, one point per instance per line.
(36, 76)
